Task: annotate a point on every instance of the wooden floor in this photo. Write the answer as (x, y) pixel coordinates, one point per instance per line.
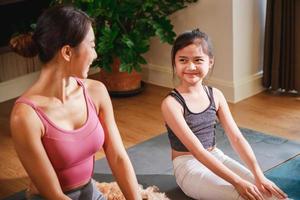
(139, 119)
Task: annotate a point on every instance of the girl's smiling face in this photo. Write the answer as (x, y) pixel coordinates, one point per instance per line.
(192, 64)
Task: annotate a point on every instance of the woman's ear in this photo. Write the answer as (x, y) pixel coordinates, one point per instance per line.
(211, 62)
(66, 52)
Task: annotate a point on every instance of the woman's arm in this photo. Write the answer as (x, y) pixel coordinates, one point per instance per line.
(27, 129)
(114, 149)
(173, 116)
(242, 147)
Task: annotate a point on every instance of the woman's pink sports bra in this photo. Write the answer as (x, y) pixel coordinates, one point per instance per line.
(72, 152)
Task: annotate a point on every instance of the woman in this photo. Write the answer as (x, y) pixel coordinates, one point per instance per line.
(60, 122)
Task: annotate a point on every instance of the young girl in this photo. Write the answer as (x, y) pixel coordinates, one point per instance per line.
(63, 119)
(202, 170)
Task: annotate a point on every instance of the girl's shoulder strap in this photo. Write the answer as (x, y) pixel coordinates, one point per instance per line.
(210, 94)
(177, 96)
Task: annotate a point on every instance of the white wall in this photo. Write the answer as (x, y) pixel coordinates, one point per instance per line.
(248, 34)
(236, 29)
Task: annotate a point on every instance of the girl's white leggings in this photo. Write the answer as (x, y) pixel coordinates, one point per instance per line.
(198, 182)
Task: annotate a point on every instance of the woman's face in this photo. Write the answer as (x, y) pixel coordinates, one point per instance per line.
(192, 64)
(84, 55)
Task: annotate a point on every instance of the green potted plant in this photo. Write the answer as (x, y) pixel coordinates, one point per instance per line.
(123, 29)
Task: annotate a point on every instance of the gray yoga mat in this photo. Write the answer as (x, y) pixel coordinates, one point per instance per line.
(152, 160)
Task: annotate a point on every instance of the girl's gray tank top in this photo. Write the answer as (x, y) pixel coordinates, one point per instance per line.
(202, 124)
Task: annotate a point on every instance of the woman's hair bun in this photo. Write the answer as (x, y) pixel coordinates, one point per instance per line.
(24, 45)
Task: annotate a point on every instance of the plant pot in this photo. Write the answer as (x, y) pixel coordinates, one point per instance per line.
(118, 82)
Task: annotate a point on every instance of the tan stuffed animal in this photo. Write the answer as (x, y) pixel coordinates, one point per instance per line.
(111, 191)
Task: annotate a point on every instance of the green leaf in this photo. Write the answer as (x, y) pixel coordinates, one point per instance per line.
(142, 46)
(141, 60)
(129, 69)
(137, 68)
(124, 67)
(127, 41)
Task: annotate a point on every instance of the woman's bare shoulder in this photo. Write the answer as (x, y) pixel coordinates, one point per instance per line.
(97, 91)
(24, 119)
(94, 85)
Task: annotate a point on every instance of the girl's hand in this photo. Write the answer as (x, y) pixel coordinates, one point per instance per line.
(269, 188)
(248, 191)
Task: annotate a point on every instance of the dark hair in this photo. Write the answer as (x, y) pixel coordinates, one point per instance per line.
(56, 27)
(192, 37)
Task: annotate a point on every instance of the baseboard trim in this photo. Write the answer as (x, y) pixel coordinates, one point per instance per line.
(248, 87)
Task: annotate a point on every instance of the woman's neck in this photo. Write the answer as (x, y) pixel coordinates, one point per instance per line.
(56, 82)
